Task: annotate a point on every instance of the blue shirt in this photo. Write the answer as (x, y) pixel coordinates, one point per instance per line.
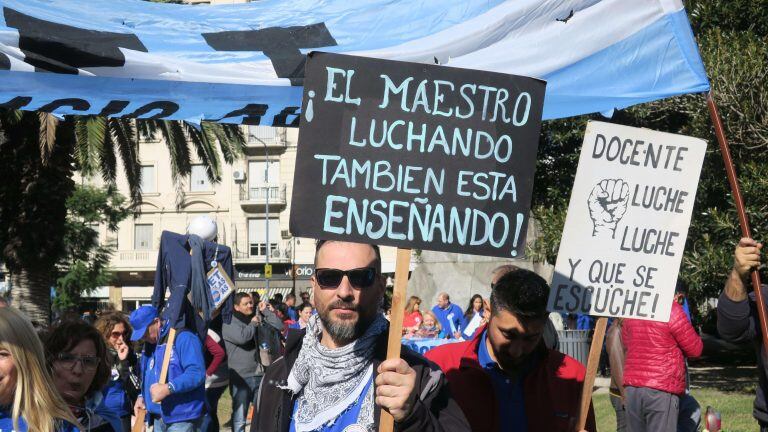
(6, 424)
(508, 391)
(186, 372)
(115, 398)
(451, 319)
(292, 314)
(583, 322)
(346, 418)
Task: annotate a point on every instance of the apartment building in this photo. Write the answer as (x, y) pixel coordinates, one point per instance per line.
(251, 206)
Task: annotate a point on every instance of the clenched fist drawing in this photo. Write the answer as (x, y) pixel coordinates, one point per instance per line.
(607, 204)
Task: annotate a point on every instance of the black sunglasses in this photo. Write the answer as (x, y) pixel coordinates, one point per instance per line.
(359, 278)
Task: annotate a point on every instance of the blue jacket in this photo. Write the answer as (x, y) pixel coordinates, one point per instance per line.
(451, 318)
(186, 374)
(292, 314)
(6, 424)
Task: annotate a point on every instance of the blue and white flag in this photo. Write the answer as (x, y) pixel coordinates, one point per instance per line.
(244, 63)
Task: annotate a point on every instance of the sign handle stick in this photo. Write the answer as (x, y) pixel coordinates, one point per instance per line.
(167, 356)
(730, 170)
(402, 267)
(589, 380)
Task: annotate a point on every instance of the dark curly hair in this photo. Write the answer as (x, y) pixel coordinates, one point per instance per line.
(522, 293)
(65, 336)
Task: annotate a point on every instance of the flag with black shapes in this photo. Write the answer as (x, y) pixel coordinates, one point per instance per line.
(244, 63)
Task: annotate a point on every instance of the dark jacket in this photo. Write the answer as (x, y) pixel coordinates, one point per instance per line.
(738, 322)
(552, 389)
(434, 408)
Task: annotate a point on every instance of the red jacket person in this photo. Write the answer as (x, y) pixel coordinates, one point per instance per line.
(505, 379)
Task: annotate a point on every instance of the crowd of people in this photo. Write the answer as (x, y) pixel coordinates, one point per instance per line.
(321, 365)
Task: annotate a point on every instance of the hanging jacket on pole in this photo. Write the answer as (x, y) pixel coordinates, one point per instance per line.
(174, 272)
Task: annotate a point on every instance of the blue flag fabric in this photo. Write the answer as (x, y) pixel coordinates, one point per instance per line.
(244, 63)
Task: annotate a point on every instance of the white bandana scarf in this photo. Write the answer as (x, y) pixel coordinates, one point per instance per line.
(329, 381)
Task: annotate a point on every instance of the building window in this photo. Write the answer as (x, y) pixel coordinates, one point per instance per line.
(199, 179)
(257, 236)
(142, 236)
(148, 184)
(263, 180)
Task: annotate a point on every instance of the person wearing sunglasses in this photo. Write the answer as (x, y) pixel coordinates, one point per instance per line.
(78, 359)
(334, 375)
(124, 386)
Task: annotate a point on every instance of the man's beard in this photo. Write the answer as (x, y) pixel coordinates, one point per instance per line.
(344, 332)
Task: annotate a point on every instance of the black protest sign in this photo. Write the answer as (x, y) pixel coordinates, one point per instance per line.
(415, 155)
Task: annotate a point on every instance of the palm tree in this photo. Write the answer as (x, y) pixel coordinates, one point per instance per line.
(38, 156)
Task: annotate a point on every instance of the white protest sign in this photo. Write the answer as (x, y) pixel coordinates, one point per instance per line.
(627, 223)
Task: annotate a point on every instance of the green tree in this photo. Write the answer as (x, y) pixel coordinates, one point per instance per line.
(84, 266)
(39, 155)
(733, 41)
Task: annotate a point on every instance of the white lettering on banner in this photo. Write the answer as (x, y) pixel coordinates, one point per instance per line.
(631, 203)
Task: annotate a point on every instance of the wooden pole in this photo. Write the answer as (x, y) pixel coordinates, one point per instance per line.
(167, 356)
(589, 379)
(730, 171)
(402, 267)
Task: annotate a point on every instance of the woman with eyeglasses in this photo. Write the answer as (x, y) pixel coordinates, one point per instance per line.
(123, 386)
(77, 357)
(28, 399)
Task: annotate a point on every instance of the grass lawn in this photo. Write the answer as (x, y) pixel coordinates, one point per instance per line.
(735, 409)
(225, 407)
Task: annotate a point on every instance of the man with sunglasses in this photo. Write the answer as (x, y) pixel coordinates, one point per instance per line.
(505, 378)
(178, 405)
(334, 375)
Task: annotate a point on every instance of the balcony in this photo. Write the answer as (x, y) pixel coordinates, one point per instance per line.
(281, 253)
(134, 260)
(260, 136)
(254, 199)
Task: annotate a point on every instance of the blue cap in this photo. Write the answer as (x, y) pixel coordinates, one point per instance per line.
(140, 319)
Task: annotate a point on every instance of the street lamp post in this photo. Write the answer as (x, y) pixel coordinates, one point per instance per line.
(266, 223)
(266, 208)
